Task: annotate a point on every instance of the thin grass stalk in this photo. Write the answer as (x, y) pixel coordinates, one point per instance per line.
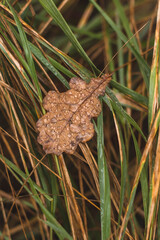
(72, 201)
(136, 179)
(91, 165)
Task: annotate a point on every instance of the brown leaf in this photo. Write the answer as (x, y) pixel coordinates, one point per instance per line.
(68, 120)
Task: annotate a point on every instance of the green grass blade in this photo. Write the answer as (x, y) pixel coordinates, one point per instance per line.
(40, 56)
(4, 237)
(17, 53)
(24, 78)
(126, 23)
(59, 66)
(142, 63)
(137, 177)
(27, 51)
(51, 8)
(54, 188)
(24, 176)
(143, 178)
(120, 55)
(83, 31)
(123, 174)
(122, 158)
(153, 86)
(59, 230)
(84, 73)
(104, 182)
(117, 106)
(134, 95)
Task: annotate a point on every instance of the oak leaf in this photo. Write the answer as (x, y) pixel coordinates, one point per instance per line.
(68, 120)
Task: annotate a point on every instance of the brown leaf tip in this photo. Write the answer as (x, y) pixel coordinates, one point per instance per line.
(68, 120)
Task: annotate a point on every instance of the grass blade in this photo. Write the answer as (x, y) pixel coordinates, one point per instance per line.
(104, 182)
(126, 24)
(134, 95)
(143, 178)
(40, 56)
(117, 106)
(142, 63)
(154, 77)
(84, 73)
(52, 222)
(139, 171)
(51, 8)
(27, 51)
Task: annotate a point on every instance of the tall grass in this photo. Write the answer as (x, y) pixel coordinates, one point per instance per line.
(109, 188)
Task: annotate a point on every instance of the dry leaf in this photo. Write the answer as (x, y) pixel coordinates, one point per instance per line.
(68, 120)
